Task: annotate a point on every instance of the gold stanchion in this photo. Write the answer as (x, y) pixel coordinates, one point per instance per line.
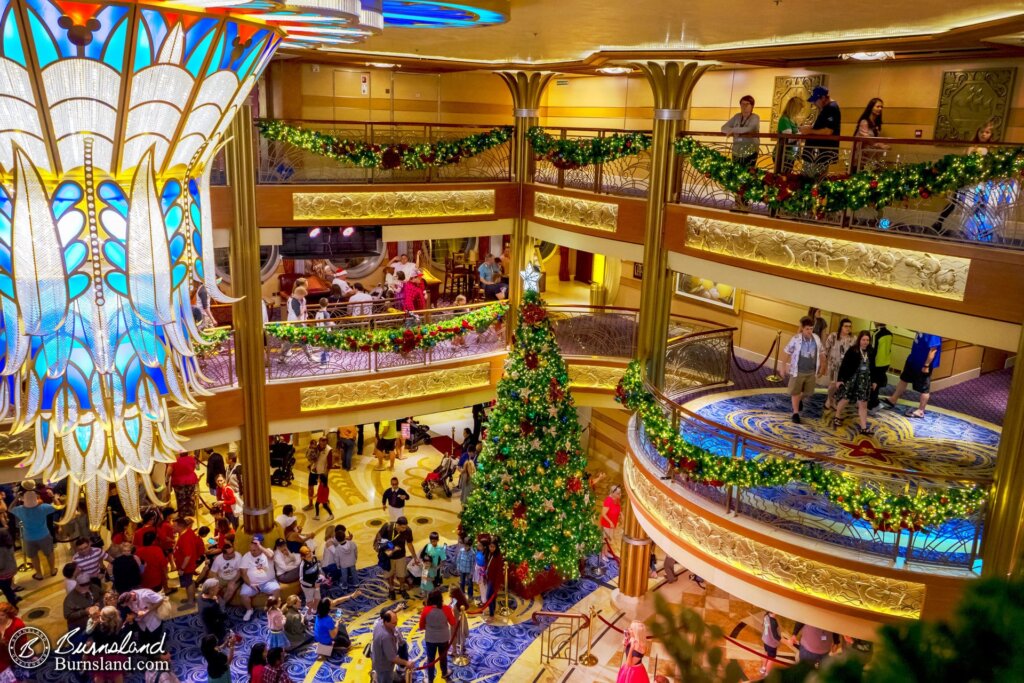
(461, 657)
(774, 377)
(504, 612)
(589, 659)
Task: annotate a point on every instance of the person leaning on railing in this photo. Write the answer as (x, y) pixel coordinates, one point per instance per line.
(788, 126)
(820, 154)
(743, 127)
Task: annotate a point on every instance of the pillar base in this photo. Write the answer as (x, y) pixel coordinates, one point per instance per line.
(635, 608)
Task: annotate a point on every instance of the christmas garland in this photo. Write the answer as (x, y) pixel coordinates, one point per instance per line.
(798, 194)
(579, 152)
(215, 336)
(385, 157)
(401, 340)
(886, 511)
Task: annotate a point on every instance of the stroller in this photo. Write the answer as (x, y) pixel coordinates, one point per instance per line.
(282, 459)
(441, 476)
(418, 434)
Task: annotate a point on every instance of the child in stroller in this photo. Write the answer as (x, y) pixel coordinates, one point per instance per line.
(441, 476)
(282, 459)
(418, 434)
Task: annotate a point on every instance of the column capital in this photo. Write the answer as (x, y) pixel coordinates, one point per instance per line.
(526, 88)
(672, 82)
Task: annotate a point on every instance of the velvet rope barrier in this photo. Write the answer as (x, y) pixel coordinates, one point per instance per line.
(731, 640)
(611, 550)
(735, 360)
(483, 606)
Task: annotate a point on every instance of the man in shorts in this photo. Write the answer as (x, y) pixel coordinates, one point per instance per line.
(925, 354)
(317, 457)
(225, 567)
(805, 357)
(392, 542)
(258, 574)
(387, 435)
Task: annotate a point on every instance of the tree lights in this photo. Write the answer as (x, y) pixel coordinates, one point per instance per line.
(532, 488)
(579, 152)
(885, 510)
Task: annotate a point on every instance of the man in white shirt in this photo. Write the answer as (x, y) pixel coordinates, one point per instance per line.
(258, 574)
(225, 567)
(402, 264)
(363, 298)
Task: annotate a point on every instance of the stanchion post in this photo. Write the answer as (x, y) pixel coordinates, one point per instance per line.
(505, 612)
(461, 658)
(589, 659)
(774, 377)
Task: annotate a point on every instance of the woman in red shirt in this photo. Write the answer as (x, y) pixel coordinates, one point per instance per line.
(413, 294)
(188, 549)
(182, 473)
(228, 499)
(494, 574)
(10, 624)
(610, 512)
(154, 569)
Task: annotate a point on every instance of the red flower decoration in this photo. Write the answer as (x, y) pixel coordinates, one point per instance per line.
(519, 510)
(531, 360)
(526, 427)
(561, 458)
(574, 485)
(390, 159)
(533, 314)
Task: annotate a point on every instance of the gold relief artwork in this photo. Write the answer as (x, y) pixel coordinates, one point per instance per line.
(877, 594)
(900, 269)
(17, 446)
(572, 211)
(184, 418)
(366, 205)
(968, 99)
(794, 86)
(395, 387)
(594, 376)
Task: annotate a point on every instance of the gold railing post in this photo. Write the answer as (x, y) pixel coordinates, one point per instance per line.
(589, 659)
(774, 377)
(671, 84)
(505, 612)
(248, 321)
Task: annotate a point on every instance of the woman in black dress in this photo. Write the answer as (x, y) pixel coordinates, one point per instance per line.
(854, 380)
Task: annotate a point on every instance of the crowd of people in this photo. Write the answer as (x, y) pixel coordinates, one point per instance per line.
(855, 367)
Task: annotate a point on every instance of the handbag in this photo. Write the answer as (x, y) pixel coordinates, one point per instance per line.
(164, 610)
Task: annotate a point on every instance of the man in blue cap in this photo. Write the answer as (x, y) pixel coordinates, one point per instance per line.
(819, 154)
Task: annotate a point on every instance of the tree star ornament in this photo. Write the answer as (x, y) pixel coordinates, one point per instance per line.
(531, 278)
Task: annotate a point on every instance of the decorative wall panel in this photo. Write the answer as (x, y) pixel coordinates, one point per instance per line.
(794, 86)
(585, 213)
(968, 99)
(878, 594)
(594, 376)
(888, 267)
(17, 446)
(367, 205)
(395, 387)
(184, 418)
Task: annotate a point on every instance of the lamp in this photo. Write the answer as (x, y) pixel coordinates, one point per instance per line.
(868, 56)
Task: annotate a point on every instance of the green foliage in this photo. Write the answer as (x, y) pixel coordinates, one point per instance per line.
(884, 509)
(401, 340)
(389, 156)
(797, 194)
(688, 641)
(531, 485)
(578, 152)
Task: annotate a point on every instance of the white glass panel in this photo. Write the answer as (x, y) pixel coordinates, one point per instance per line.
(86, 116)
(217, 89)
(72, 152)
(161, 83)
(14, 81)
(202, 120)
(74, 78)
(158, 118)
(136, 147)
(32, 146)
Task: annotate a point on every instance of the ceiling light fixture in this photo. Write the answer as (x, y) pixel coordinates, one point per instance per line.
(615, 70)
(381, 65)
(868, 56)
(348, 232)
(314, 233)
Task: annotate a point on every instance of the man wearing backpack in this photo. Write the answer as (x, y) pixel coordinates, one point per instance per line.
(392, 543)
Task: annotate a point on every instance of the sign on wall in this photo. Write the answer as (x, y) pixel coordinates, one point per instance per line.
(787, 87)
(969, 99)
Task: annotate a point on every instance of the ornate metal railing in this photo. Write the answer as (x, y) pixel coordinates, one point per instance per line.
(595, 331)
(627, 176)
(217, 360)
(985, 213)
(797, 509)
(698, 359)
(282, 163)
(566, 637)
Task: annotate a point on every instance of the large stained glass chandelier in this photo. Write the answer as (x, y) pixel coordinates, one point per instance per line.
(110, 115)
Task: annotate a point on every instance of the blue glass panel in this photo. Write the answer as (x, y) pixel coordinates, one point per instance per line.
(114, 251)
(7, 285)
(176, 247)
(74, 254)
(5, 259)
(117, 282)
(193, 189)
(83, 435)
(157, 27)
(218, 54)
(197, 53)
(12, 39)
(114, 197)
(200, 271)
(195, 214)
(67, 195)
(157, 375)
(78, 284)
(109, 17)
(173, 219)
(46, 50)
(78, 385)
(197, 242)
(113, 53)
(143, 51)
(50, 389)
(178, 274)
(246, 64)
(172, 190)
(437, 14)
(131, 381)
(133, 428)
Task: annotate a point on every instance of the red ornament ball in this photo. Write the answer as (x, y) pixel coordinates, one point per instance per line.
(575, 485)
(519, 510)
(531, 360)
(561, 458)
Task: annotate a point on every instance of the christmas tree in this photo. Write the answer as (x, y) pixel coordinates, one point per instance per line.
(532, 490)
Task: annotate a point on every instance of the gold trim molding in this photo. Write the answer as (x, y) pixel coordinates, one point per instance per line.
(375, 390)
(184, 418)
(367, 205)
(846, 587)
(584, 213)
(594, 376)
(888, 267)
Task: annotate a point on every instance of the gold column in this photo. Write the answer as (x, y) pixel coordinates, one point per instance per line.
(248, 319)
(1001, 549)
(671, 83)
(635, 554)
(526, 88)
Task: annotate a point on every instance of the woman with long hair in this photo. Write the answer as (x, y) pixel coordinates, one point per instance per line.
(257, 662)
(218, 663)
(869, 125)
(789, 124)
(494, 574)
(634, 645)
(835, 347)
(854, 380)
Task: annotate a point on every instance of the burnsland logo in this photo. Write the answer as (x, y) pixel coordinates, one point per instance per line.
(29, 647)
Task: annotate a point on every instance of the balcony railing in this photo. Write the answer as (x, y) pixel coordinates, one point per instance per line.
(282, 163)
(627, 176)
(797, 509)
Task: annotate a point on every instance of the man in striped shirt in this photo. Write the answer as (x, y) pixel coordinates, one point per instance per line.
(89, 560)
